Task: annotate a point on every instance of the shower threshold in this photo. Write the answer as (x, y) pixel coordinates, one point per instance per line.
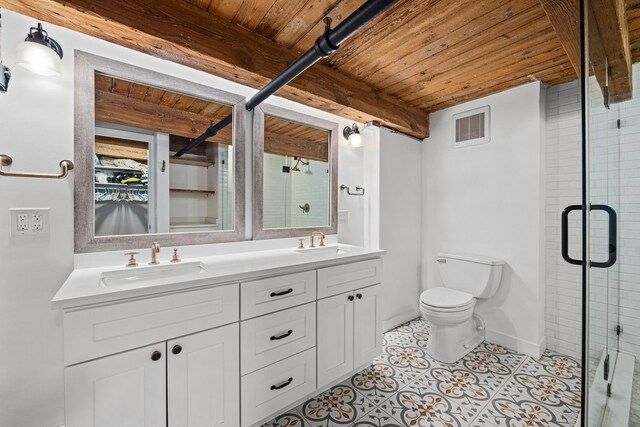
(612, 411)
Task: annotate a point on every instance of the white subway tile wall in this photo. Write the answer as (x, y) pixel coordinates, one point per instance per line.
(615, 181)
(563, 298)
(284, 193)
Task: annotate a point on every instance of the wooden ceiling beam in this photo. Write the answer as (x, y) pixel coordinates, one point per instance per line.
(611, 19)
(286, 145)
(564, 16)
(181, 32)
(117, 108)
(113, 107)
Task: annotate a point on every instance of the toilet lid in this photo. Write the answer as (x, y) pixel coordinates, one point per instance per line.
(445, 298)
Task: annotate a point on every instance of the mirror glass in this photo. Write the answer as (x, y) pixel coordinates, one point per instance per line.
(139, 186)
(296, 175)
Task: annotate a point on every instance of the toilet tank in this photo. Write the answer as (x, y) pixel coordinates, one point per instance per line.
(477, 275)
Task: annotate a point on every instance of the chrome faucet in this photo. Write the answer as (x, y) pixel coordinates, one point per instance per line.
(319, 234)
(155, 249)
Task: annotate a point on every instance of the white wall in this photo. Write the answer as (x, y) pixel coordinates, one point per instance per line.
(488, 199)
(36, 129)
(393, 220)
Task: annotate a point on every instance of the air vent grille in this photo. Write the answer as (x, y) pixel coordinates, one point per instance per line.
(471, 127)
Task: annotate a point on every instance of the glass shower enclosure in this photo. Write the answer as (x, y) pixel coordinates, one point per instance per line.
(610, 238)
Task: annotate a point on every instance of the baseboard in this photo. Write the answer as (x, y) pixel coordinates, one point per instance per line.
(398, 320)
(529, 348)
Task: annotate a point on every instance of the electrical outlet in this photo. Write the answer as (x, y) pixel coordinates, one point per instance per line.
(36, 221)
(29, 222)
(22, 222)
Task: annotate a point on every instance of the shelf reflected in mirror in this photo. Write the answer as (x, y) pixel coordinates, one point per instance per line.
(138, 126)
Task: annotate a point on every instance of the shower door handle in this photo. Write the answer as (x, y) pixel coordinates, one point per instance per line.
(613, 236)
(565, 234)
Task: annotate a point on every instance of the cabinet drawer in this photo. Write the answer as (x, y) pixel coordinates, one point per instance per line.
(109, 329)
(271, 389)
(268, 339)
(348, 277)
(276, 293)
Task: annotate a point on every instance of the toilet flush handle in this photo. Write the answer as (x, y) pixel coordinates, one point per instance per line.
(441, 260)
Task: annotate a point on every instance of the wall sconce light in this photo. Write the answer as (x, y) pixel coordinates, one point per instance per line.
(5, 73)
(39, 53)
(5, 76)
(353, 135)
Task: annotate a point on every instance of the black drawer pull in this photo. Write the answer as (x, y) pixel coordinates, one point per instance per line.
(283, 385)
(286, 334)
(156, 355)
(279, 294)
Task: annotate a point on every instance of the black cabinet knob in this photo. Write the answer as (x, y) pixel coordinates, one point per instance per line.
(177, 349)
(359, 296)
(156, 355)
(350, 297)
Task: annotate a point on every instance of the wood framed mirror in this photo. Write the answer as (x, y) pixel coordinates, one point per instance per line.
(295, 164)
(130, 188)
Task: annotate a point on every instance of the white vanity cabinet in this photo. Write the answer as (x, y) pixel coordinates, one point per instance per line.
(126, 390)
(349, 323)
(113, 378)
(190, 381)
(203, 387)
(220, 354)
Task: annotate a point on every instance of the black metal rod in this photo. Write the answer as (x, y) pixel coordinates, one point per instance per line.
(299, 66)
(211, 131)
(323, 47)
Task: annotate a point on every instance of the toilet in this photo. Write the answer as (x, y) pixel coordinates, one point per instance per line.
(448, 308)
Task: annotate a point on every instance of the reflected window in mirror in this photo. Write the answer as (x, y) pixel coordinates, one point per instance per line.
(139, 186)
(296, 175)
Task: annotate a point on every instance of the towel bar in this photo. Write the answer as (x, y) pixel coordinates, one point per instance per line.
(359, 190)
(65, 167)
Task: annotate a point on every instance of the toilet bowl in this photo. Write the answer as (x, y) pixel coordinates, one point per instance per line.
(449, 307)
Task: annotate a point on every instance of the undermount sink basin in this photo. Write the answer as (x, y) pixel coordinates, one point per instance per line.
(323, 250)
(140, 276)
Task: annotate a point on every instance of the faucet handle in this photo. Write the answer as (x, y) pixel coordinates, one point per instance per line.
(321, 240)
(132, 262)
(176, 257)
(300, 243)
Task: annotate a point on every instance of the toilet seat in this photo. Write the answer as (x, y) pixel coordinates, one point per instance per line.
(446, 300)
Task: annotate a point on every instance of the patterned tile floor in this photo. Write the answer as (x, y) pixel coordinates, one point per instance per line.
(491, 386)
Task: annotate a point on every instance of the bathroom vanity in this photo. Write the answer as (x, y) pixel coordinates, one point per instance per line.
(217, 341)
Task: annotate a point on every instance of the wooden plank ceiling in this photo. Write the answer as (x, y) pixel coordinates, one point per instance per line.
(430, 54)
(418, 57)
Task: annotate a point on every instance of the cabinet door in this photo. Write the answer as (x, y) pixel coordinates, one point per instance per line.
(203, 379)
(124, 390)
(367, 325)
(335, 338)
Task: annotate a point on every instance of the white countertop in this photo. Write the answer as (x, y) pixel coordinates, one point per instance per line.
(83, 286)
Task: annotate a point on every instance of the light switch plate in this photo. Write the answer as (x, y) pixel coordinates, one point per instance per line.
(343, 217)
(29, 222)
